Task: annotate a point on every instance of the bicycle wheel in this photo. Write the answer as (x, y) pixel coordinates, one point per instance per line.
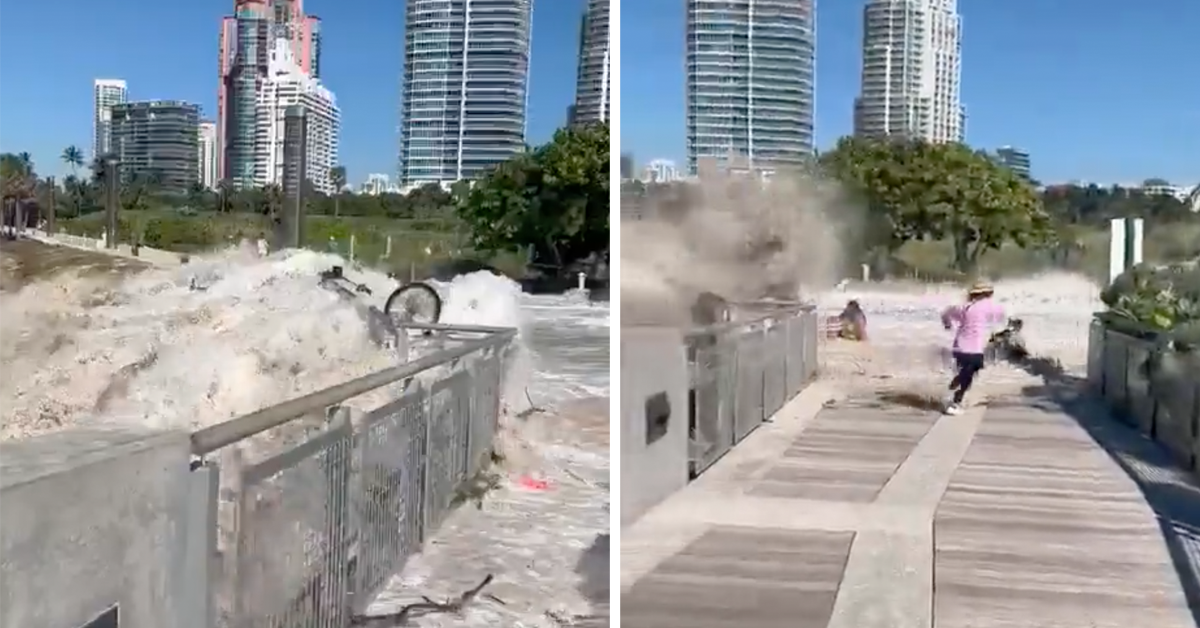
(416, 302)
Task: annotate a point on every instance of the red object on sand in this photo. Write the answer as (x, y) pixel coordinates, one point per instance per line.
(533, 484)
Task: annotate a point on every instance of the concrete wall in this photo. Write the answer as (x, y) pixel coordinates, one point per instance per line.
(119, 500)
(157, 257)
(653, 364)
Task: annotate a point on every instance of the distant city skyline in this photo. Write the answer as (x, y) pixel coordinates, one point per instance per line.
(36, 106)
(1027, 83)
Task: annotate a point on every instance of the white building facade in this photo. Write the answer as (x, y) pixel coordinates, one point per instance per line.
(911, 71)
(208, 154)
(105, 94)
(376, 184)
(288, 85)
(661, 171)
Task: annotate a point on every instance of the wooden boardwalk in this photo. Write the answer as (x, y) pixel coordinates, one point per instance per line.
(871, 515)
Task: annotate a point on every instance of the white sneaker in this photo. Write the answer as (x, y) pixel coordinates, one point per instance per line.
(953, 409)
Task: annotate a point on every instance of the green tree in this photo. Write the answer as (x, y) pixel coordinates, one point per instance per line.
(18, 181)
(225, 194)
(918, 189)
(553, 199)
(272, 201)
(337, 176)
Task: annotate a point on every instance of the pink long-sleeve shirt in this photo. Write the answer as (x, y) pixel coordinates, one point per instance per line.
(972, 323)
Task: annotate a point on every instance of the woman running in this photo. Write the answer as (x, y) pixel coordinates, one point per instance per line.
(971, 322)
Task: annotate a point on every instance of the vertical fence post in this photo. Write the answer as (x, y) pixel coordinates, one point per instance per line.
(387, 248)
(337, 519)
(200, 554)
(51, 218)
(353, 242)
(112, 199)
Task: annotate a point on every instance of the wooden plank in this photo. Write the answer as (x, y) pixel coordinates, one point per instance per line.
(733, 577)
(847, 454)
(1040, 528)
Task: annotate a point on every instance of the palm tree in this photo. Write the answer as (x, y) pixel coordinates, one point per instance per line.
(337, 176)
(73, 157)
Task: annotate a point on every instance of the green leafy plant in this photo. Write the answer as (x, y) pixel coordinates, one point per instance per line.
(1156, 301)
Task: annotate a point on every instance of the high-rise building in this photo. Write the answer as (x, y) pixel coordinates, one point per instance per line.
(246, 40)
(592, 97)
(207, 154)
(286, 86)
(1016, 160)
(158, 141)
(105, 94)
(247, 70)
(463, 104)
(750, 82)
(911, 67)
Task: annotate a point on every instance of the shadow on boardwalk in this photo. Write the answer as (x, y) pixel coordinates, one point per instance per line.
(593, 566)
(1173, 493)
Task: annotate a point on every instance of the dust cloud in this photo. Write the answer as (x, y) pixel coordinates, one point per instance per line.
(737, 236)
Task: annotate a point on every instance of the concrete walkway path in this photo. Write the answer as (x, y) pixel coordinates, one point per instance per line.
(860, 513)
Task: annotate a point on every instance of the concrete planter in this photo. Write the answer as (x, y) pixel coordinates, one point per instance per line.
(1158, 394)
(1140, 404)
(1116, 391)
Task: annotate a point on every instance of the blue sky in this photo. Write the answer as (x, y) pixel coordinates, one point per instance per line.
(1095, 90)
(51, 51)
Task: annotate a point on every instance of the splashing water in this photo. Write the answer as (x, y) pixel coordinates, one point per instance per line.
(149, 350)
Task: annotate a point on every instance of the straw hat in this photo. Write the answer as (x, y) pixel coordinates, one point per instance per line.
(980, 287)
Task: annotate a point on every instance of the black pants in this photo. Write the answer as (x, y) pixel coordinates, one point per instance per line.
(969, 364)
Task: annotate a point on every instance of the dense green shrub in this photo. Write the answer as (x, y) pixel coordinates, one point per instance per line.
(1156, 301)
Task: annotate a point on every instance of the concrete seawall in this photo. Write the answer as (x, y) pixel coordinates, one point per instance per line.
(116, 537)
(157, 257)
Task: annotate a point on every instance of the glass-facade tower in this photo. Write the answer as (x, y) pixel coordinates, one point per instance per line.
(592, 97)
(750, 81)
(247, 70)
(466, 64)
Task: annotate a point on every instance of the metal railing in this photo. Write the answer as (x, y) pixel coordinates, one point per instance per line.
(1150, 387)
(307, 536)
(743, 372)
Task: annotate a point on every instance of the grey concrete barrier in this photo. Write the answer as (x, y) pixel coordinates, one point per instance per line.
(688, 398)
(305, 536)
(1152, 388)
(95, 519)
(654, 418)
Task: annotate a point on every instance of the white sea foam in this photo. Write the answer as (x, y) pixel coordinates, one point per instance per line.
(150, 350)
